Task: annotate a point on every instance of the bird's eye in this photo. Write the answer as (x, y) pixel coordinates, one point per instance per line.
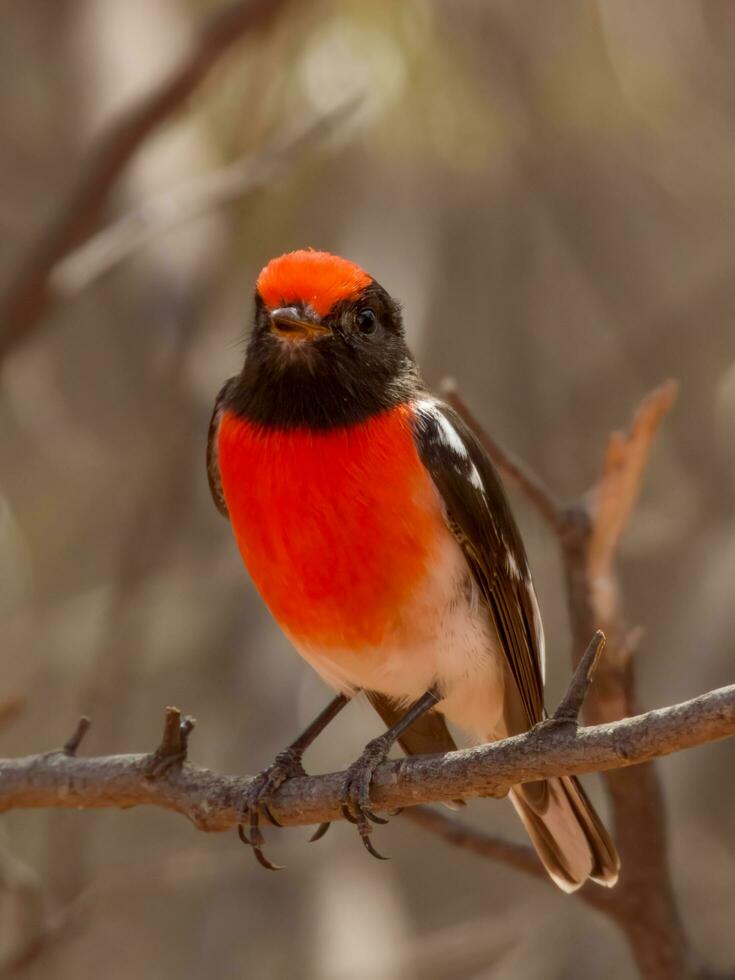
(366, 321)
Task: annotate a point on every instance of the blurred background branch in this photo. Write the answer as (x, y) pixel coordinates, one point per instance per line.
(28, 296)
(201, 195)
(10, 708)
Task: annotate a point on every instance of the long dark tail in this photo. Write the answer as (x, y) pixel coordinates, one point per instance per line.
(567, 833)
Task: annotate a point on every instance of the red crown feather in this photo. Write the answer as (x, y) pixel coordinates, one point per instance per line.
(318, 279)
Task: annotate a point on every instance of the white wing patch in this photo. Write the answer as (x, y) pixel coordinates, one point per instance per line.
(447, 433)
(450, 438)
(476, 480)
(538, 626)
(512, 564)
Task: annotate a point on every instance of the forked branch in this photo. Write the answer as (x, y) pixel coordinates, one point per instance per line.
(214, 802)
(589, 530)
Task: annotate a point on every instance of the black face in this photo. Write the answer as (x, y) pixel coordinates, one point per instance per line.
(303, 371)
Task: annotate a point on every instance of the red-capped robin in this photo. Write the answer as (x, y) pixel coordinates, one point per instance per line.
(377, 532)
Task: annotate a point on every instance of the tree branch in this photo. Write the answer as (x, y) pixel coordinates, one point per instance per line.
(213, 802)
(28, 296)
(458, 833)
(589, 531)
(520, 857)
(198, 195)
(618, 487)
(571, 705)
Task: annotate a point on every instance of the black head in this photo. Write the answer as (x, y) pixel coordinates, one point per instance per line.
(327, 346)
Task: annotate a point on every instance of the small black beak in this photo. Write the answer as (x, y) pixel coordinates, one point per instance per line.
(292, 323)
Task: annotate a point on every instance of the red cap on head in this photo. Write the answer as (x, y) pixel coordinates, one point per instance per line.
(315, 278)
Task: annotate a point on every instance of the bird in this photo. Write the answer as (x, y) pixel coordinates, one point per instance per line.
(376, 529)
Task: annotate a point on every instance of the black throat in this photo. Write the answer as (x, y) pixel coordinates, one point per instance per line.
(336, 381)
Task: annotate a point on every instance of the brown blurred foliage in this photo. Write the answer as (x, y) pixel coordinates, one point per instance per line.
(546, 187)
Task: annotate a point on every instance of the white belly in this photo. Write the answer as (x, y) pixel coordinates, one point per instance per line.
(450, 642)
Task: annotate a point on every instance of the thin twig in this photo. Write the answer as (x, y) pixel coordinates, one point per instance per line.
(193, 197)
(520, 857)
(460, 834)
(75, 740)
(618, 487)
(174, 745)
(571, 704)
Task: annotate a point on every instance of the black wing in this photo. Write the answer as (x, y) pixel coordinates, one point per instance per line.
(215, 483)
(479, 516)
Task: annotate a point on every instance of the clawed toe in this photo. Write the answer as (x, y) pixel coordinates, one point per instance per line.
(286, 766)
(251, 841)
(264, 862)
(267, 811)
(374, 817)
(345, 809)
(320, 832)
(356, 794)
(355, 805)
(370, 848)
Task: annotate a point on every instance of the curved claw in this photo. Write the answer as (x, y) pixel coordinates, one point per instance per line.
(356, 804)
(256, 834)
(263, 860)
(345, 810)
(371, 850)
(373, 816)
(319, 832)
(286, 765)
(267, 811)
(255, 840)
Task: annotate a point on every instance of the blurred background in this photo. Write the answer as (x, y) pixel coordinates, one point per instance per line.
(549, 189)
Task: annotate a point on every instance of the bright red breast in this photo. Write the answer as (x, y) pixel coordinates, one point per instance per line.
(336, 528)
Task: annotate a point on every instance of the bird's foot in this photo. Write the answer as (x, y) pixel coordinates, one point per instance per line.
(287, 765)
(356, 791)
